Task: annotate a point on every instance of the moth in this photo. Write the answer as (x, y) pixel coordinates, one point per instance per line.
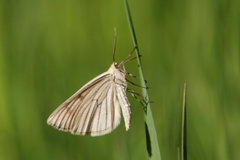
(95, 109)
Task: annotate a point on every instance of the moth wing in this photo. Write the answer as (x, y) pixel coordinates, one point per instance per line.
(125, 105)
(93, 109)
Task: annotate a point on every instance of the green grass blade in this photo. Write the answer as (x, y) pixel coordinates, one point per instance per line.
(184, 126)
(151, 135)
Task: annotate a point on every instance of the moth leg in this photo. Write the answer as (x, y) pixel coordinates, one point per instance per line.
(138, 85)
(129, 57)
(140, 98)
(134, 48)
(134, 76)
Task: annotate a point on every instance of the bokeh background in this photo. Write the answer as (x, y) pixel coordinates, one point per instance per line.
(49, 49)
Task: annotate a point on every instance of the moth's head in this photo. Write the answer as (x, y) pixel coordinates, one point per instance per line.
(118, 66)
(115, 65)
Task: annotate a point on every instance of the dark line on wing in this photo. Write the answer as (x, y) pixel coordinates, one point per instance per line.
(81, 110)
(105, 85)
(85, 92)
(98, 105)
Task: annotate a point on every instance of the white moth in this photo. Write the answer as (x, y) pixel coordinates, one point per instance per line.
(95, 109)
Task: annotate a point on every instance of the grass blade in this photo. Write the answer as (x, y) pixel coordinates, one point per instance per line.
(151, 135)
(184, 126)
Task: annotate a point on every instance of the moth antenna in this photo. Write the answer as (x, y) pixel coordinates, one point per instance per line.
(114, 44)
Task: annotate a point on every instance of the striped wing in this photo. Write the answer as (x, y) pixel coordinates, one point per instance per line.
(94, 109)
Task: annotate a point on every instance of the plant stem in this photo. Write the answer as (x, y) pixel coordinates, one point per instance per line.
(151, 135)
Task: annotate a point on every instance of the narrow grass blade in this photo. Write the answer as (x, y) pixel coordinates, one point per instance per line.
(151, 135)
(184, 126)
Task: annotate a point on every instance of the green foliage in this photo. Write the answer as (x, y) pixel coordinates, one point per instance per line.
(49, 49)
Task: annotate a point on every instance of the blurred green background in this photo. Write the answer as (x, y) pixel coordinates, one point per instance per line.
(49, 49)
